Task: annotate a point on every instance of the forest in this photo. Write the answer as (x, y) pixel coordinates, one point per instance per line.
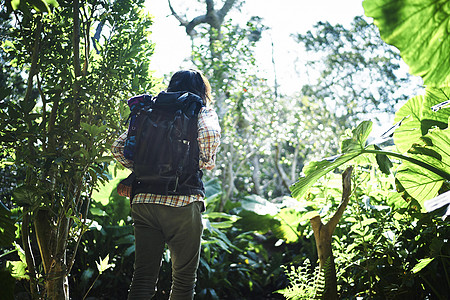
(308, 200)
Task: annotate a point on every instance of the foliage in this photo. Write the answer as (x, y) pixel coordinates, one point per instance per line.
(229, 63)
(418, 113)
(239, 257)
(419, 30)
(303, 283)
(378, 250)
(426, 161)
(356, 74)
(380, 240)
(57, 129)
(393, 259)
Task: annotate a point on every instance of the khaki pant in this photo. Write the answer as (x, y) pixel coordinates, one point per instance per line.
(181, 229)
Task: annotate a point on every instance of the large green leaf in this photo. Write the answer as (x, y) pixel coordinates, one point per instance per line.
(434, 149)
(317, 169)
(259, 205)
(420, 30)
(419, 117)
(352, 147)
(289, 223)
(420, 183)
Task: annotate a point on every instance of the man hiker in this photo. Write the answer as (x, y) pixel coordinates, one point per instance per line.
(167, 145)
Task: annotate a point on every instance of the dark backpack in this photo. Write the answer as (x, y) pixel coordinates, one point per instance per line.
(162, 143)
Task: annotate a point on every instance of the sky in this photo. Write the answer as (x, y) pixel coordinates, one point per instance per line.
(284, 17)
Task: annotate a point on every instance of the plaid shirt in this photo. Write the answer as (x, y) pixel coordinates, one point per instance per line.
(208, 141)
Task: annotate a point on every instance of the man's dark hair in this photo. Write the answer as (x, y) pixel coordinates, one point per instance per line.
(191, 81)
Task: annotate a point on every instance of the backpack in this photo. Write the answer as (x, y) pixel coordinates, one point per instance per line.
(162, 143)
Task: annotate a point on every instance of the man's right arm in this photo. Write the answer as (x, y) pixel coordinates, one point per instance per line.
(208, 137)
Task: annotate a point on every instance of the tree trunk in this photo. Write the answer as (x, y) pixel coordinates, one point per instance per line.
(76, 64)
(29, 257)
(57, 282)
(323, 235)
(256, 176)
(44, 236)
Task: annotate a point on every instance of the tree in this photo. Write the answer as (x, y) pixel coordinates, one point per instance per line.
(215, 18)
(58, 130)
(358, 75)
(353, 75)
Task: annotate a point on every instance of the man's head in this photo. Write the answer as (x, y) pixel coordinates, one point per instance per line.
(191, 81)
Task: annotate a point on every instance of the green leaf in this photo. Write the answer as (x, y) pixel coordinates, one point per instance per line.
(102, 159)
(98, 212)
(103, 193)
(351, 148)
(440, 140)
(419, 182)
(25, 195)
(384, 163)
(15, 4)
(251, 221)
(18, 269)
(316, 169)
(289, 221)
(221, 215)
(104, 264)
(419, 29)
(52, 3)
(259, 205)
(39, 5)
(396, 200)
(421, 264)
(417, 149)
(419, 117)
(359, 137)
(368, 221)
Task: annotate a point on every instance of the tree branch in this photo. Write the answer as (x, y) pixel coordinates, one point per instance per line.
(346, 192)
(196, 21)
(256, 175)
(284, 178)
(209, 6)
(323, 236)
(182, 21)
(34, 58)
(225, 9)
(34, 287)
(212, 17)
(44, 236)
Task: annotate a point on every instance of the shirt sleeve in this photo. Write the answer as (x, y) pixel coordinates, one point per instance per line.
(117, 151)
(208, 137)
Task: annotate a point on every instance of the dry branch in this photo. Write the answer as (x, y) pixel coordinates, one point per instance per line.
(323, 234)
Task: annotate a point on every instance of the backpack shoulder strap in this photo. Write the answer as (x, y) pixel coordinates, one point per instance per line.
(193, 104)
